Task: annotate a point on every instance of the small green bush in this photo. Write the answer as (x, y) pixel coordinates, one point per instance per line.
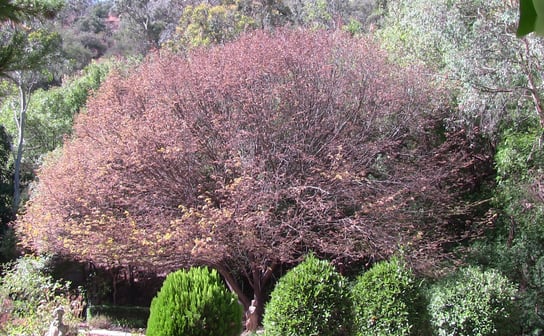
(474, 303)
(194, 303)
(311, 299)
(387, 301)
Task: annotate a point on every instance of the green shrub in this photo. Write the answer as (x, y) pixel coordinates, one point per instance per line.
(194, 303)
(311, 299)
(516, 245)
(474, 303)
(387, 301)
(28, 297)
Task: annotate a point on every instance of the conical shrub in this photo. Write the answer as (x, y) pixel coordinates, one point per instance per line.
(194, 303)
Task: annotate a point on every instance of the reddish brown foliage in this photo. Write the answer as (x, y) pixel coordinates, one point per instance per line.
(246, 156)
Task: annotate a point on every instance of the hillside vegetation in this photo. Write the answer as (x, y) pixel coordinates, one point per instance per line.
(140, 137)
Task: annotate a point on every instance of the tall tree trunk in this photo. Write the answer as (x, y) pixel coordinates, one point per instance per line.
(20, 120)
(533, 89)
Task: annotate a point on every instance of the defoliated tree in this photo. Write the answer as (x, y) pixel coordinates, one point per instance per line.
(245, 156)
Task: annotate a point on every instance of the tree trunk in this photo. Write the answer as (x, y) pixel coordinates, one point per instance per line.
(114, 273)
(233, 286)
(255, 312)
(20, 119)
(254, 309)
(533, 89)
(260, 280)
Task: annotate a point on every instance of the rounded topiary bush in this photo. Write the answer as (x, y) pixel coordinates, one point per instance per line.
(474, 302)
(311, 299)
(387, 301)
(194, 303)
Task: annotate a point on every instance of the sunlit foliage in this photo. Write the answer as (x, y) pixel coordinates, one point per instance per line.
(245, 156)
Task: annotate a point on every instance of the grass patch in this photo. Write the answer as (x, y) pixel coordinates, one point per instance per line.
(125, 317)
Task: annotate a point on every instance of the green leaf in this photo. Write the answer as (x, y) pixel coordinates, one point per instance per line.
(527, 18)
(538, 5)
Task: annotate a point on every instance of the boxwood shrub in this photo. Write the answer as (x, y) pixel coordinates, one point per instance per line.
(388, 301)
(474, 302)
(310, 299)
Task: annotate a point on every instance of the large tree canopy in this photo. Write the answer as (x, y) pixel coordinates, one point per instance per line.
(245, 156)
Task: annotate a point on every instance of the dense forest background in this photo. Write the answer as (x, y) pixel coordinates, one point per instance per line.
(480, 85)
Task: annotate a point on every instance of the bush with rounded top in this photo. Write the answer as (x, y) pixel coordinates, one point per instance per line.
(311, 299)
(474, 302)
(387, 301)
(194, 303)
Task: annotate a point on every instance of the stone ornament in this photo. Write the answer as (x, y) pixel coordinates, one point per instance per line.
(57, 328)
